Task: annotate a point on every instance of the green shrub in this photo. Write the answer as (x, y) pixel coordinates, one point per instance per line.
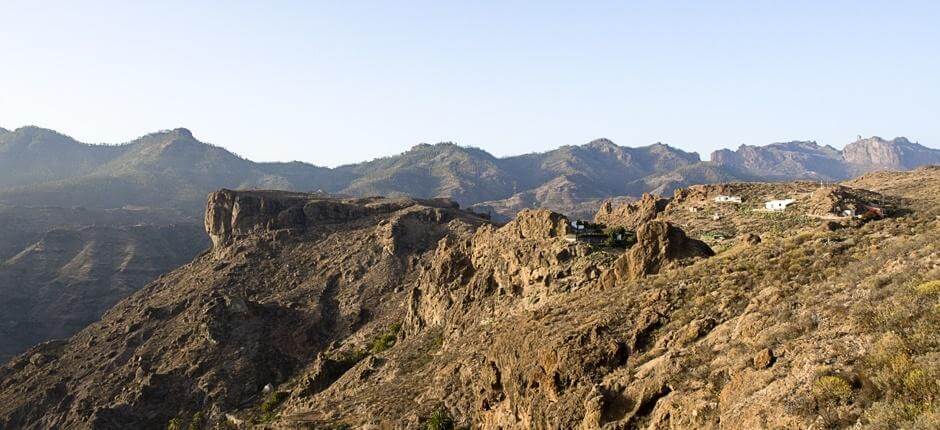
(385, 340)
(174, 424)
(273, 401)
(931, 288)
(619, 237)
(440, 420)
(831, 389)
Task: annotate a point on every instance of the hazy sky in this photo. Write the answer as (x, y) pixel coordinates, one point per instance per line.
(342, 81)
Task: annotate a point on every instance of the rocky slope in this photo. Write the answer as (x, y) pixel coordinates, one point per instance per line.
(393, 313)
(290, 275)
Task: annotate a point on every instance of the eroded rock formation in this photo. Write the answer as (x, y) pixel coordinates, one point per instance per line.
(631, 215)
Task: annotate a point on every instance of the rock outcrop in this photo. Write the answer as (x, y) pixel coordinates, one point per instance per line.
(538, 224)
(230, 214)
(631, 215)
(658, 245)
(899, 153)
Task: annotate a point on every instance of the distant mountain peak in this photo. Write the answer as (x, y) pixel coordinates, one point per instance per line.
(878, 139)
(183, 132)
(897, 153)
(601, 143)
(439, 145)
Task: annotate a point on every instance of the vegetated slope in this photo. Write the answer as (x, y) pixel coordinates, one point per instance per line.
(444, 170)
(698, 173)
(399, 313)
(68, 277)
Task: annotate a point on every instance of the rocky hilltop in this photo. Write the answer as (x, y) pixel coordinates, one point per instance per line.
(393, 313)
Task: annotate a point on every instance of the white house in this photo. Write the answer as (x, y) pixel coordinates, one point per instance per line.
(728, 199)
(778, 205)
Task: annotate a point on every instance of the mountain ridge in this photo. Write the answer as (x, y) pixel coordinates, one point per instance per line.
(171, 168)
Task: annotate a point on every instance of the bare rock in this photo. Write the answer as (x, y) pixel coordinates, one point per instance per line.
(538, 224)
(659, 243)
(631, 215)
(764, 359)
(750, 239)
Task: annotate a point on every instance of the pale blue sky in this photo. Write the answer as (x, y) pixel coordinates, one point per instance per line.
(343, 81)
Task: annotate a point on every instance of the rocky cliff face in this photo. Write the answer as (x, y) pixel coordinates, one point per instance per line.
(807, 160)
(899, 153)
(790, 160)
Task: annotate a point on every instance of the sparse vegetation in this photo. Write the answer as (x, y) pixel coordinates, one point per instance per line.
(386, 339)
(273, 401)
(832, 390)
(440, 419)
(197, 422)
(174, 424)
(931, 288)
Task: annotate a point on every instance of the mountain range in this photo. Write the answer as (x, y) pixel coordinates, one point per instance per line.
(40, 167)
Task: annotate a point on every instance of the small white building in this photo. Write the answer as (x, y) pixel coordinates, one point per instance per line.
(778, 205)
(728, 199)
